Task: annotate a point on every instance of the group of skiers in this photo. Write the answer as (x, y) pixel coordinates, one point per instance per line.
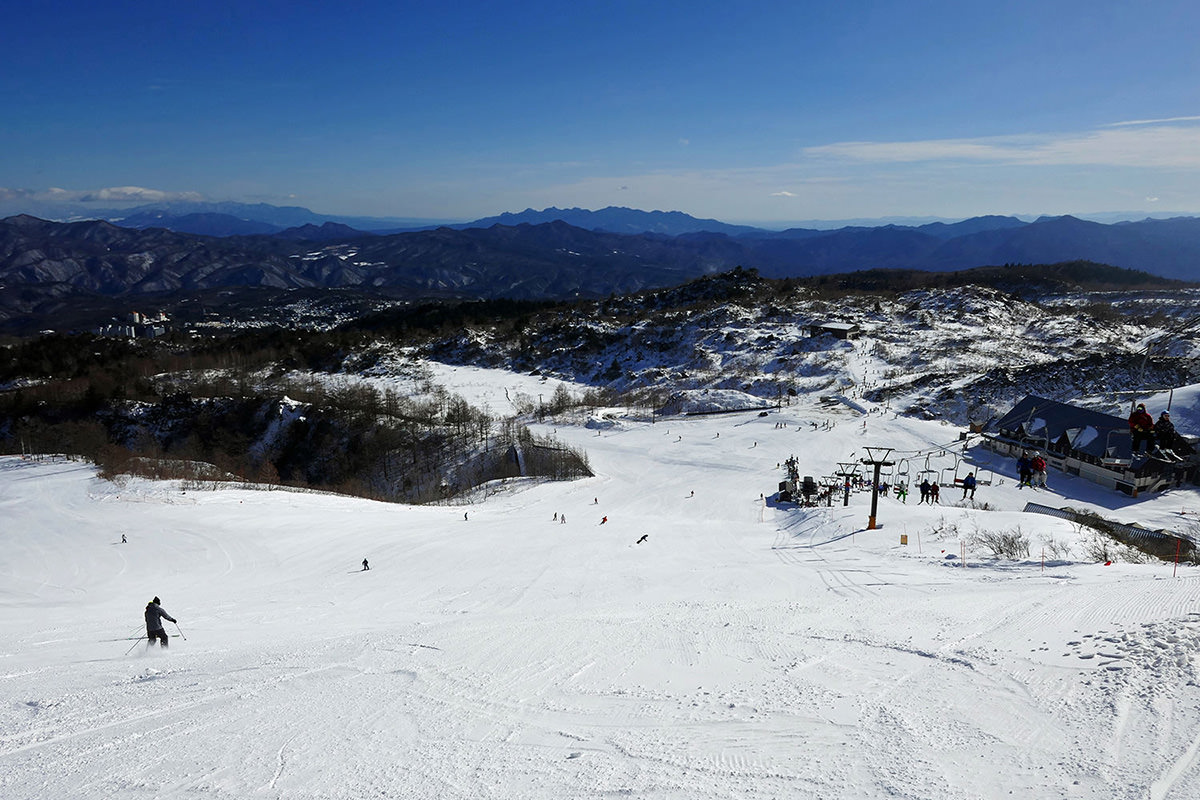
(1031, 470)
(1149, 436)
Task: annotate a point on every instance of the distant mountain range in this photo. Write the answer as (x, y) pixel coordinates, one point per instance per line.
(45, 264)
(211, 218)
(206, 218)
(615, 219)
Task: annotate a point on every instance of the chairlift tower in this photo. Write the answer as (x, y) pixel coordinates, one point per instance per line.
(877, 457)
(1158, 342)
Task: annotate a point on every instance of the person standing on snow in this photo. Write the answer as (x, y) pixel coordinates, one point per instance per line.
(155, 614)
(1024, 470)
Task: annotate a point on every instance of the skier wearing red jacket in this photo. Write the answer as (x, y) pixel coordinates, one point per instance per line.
(1141, 429)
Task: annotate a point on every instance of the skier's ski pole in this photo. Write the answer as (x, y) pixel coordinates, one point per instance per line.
(180, 631)
(135, 644)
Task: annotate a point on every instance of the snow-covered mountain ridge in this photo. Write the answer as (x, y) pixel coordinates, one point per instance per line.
(960, 353)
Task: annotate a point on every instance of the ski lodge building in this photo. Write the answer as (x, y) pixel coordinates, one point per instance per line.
(839, 330)
(1086, 443)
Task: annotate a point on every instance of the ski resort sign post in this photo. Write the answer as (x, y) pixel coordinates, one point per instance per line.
(878, 457)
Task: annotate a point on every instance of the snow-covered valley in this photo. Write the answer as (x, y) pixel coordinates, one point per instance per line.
(741, 649)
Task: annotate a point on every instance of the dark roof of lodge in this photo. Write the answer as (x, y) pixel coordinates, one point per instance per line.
(1048, 421)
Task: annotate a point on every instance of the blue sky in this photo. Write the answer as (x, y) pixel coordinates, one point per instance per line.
(750, 111)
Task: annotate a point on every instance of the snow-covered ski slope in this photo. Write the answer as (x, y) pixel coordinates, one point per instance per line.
(743, 650)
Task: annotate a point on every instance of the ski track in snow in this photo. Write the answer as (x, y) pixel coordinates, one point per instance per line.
(743, 650)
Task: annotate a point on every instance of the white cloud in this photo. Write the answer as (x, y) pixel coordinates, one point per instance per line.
(1152, 121)
(138, 194)
(15, 194)
(1142, 145)
(783, 194)
(116, 195)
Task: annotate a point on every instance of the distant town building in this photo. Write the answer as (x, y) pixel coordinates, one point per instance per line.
(136, 325)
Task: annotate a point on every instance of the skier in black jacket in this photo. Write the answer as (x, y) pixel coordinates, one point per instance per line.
(1164, 431)
(155, 614)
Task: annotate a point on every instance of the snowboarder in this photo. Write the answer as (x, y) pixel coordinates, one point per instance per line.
(556, 516)
(1141, 429)
(464, 516)
(366, 566)
(969, 485)
(645, 536)
(603, 520)
(123, 539)
(155, 614)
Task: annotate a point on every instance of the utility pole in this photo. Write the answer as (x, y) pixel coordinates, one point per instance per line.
(848, 468)
(878, 457)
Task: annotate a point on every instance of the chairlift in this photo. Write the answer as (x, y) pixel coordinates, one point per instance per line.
(965, 468)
